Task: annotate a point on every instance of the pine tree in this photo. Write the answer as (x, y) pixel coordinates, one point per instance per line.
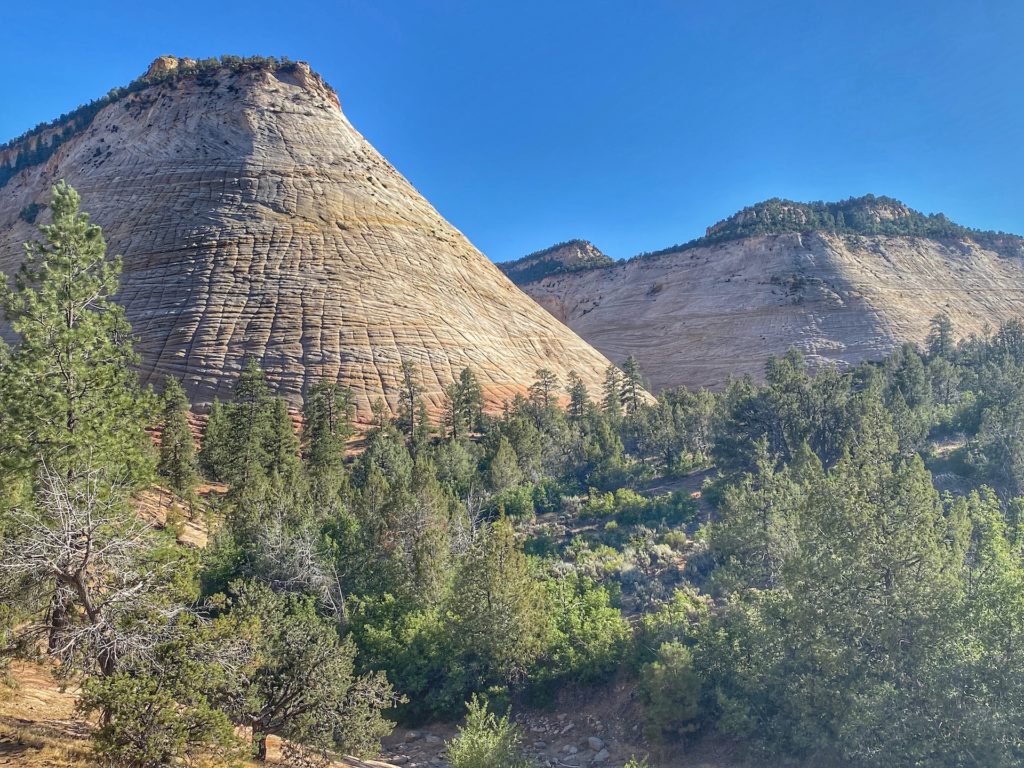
(579, 398)
(472, 397)
(68, 387)
(412, 419)
(301, 682)
(250, 424)
(486, 740)
(177, 449)
(463, 404)
(542, 391)
(504, 470)
(214, 446)
(940, 338)
(380, 418)
(611, 400)
(283, 444)
(632, 385)
(326, 427)
(499, 615)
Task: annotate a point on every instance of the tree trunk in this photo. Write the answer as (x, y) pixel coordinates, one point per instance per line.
(58, 619)
(259, 741)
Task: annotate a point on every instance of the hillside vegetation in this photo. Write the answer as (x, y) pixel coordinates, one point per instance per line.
(866, 215)
(570, 256)
(815, 600)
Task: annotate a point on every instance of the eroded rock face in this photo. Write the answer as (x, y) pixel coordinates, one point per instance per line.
(255, 220)
(565, 257)
(698, 315)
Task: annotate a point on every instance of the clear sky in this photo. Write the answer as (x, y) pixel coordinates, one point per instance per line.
(631, 124)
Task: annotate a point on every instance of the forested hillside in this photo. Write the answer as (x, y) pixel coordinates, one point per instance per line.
(866, 215)
(821, 570)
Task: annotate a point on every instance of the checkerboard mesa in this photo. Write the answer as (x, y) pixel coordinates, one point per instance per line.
(254, 220)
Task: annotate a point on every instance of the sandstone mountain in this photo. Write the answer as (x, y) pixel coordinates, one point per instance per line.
(569, 256)
(842, 282)
(254, 220)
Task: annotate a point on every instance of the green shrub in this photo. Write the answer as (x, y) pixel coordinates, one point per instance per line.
(513, 502)
(547, 496)
(671, 691)
(486, 741)
(156, 721)
(589, 637)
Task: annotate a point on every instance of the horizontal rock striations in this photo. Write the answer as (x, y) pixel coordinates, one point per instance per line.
(255, 220)
(784, 274)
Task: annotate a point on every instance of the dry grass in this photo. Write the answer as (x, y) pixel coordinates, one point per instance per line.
(38, 723)
(164, 509)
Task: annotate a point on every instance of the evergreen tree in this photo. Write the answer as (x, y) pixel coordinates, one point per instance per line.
(162, 710)
(214, 446)
(579, 397)
(671, 691)
(251, 444)
(412, 416)
(301, 682)
(542, 391)
(327, 417)
(69, 392)
(72, 408)
(177, 449)
(504, 470)
(250, 428)
(463, 404)
(498, 613)
(632, 385)
(486, 740)
(940, 338)
(283, 445)
(472, 398)
(611, 400)
(857, 617)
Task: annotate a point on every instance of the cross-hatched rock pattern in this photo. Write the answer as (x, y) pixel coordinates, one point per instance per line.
(254, 220)
(698, 315)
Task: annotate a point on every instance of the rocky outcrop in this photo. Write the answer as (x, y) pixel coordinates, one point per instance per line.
(569, 256)
(255, 220)
(696, 314)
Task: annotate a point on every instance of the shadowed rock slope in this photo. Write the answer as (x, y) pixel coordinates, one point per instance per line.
(843, 282)
(255, 220)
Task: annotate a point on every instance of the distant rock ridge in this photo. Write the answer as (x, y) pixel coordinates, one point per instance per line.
(867, 215)
(254, 220)
(569, 256)
(842, 282)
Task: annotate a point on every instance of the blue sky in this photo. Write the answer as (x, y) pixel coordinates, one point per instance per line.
(632, 124)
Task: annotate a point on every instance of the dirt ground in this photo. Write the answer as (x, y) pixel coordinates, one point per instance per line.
(39, 727)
